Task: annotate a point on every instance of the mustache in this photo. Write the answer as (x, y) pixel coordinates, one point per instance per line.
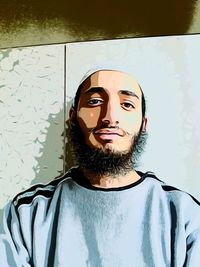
(107, 127)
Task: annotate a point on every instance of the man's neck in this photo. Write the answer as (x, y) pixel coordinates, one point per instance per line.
(110, 181)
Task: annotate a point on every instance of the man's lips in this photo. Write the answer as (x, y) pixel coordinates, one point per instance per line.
(107, 131)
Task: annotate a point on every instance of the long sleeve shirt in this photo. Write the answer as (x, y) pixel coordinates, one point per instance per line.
(66, 223)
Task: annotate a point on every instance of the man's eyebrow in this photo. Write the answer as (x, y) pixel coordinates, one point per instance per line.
(129, 93)
(96, 89)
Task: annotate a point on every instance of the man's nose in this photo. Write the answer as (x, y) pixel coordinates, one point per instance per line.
(111, 113)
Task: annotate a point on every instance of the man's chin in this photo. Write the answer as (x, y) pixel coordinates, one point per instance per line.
(110, 146)
(108, 158)
(113, 149)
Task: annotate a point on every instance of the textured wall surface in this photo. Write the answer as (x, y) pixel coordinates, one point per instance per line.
(32, 117)
(167, 68)
(32, 98)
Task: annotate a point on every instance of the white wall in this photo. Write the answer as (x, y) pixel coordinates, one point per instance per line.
(32, 106)
(167, 68)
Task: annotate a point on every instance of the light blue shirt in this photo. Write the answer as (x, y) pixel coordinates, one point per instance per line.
(66, 224)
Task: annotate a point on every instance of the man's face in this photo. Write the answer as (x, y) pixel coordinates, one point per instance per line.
(109, 111)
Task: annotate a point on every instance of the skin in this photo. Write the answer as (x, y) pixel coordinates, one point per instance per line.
(110, 99)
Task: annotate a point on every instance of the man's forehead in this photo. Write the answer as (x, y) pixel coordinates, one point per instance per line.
(113, 79)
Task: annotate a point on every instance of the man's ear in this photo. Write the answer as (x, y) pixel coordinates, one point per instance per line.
(144, 124)
(72, 116)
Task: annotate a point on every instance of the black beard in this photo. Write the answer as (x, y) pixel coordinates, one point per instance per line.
(105, 161)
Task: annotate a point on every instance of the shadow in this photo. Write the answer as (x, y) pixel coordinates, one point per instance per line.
(1, 216)
(69, 160)
(50, 164)
(110, 18)
(56, 150)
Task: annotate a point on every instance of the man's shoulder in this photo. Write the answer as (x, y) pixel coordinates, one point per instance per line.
(40, 191)
(173, 194)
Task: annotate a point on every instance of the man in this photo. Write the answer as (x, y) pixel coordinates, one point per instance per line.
(104, 212)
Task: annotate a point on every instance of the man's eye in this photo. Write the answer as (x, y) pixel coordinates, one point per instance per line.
(95, 102)
(127, 105)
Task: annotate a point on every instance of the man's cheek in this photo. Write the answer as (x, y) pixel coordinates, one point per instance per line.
(132, 124)
(88, 118)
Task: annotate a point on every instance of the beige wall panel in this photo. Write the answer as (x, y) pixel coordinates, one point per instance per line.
(32, 117)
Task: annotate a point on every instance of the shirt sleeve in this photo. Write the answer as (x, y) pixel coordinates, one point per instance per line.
(13, 252)
(193, 249)
(193, 235)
